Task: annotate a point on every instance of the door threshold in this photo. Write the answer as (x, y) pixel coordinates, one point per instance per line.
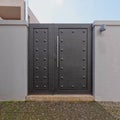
(56, 98)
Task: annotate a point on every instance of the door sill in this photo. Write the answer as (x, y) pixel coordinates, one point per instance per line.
(66, 98)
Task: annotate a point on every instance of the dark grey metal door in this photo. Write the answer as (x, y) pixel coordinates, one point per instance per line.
(40, 59)
(60, 58)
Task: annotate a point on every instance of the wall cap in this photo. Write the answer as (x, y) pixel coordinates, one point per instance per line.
(107, 22)
(13, 23)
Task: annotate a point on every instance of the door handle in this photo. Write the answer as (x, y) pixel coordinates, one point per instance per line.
(57, 51)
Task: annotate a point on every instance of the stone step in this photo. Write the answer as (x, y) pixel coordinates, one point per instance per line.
(56, 98)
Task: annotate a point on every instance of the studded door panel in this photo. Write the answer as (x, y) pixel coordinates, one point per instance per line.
(40, 57)
(72, 59)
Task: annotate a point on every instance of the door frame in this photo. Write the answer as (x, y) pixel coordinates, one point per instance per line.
(53, 71)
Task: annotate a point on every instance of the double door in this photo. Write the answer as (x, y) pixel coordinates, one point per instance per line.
(59, 59)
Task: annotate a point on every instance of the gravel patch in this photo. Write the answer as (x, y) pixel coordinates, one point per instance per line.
(53, 111)
(113, 108)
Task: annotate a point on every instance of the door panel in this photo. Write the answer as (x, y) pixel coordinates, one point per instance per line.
(39, 59)
(73, 74)
(40, 56)
(72, 59)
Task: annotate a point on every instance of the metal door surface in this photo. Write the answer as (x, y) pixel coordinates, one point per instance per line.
(39, 59)
(59, 58)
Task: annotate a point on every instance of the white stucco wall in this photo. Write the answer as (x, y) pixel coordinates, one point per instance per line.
(13, 60)
(106, 56)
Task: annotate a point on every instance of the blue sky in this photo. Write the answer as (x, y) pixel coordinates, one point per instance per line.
(75, 11)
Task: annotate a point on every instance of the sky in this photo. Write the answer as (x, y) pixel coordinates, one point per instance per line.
(75, 11)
